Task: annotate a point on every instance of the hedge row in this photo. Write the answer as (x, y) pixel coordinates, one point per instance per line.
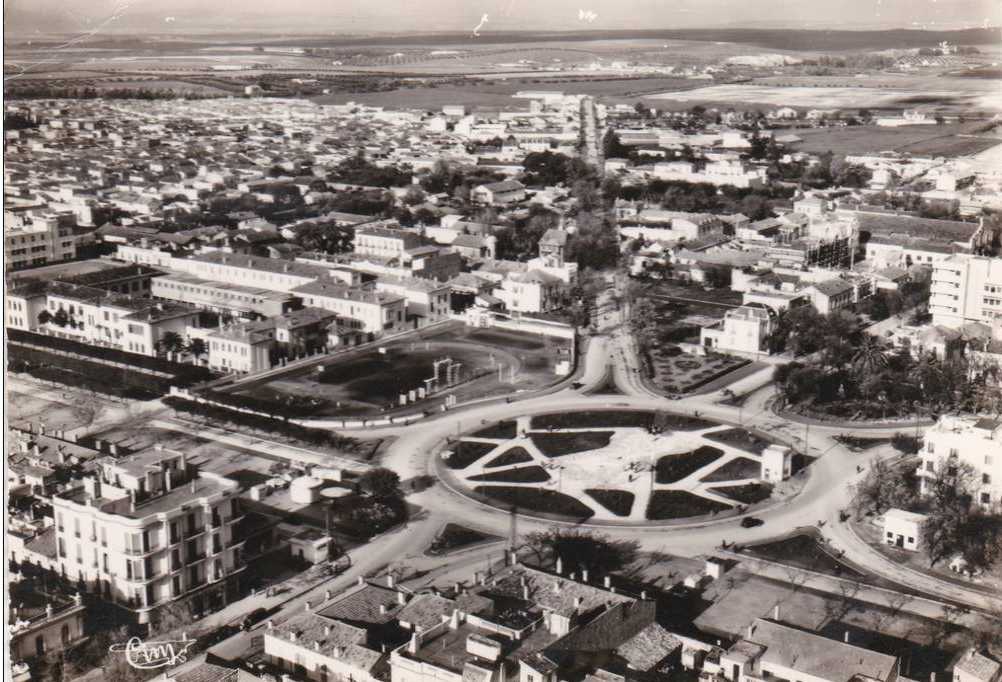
(288, 429)
(183, 373)
(293, 407)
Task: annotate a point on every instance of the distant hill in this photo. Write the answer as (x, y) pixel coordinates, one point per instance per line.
(802, 40)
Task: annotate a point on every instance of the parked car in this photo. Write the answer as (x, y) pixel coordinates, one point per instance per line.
(751, 522)
(252, 618)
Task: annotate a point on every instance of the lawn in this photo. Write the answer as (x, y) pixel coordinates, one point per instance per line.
(536, 499)
(674, 468)
(594, 419)
(531, 474)
(515, 455)
(619, 502)
(455, 536)
(506, 430)
(677, 504)
(566, 443)
(739, 438)
(737, 469)
(466, 453)
(804, 551)
(750, 493)
(856, 443)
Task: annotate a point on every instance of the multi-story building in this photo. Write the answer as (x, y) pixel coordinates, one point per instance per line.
(54, 629)
(385, 242)
(495, 193)
(743, 330)
(427, 300)
(90, 315)
(966, 288)
(972, 442)
(374, 312)
(36, 240)
(148, 529)
(233, 299)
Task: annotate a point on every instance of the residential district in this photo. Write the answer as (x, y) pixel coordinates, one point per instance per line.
(566, 391)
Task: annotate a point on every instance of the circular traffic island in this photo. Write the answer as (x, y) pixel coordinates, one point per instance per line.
(618, 466)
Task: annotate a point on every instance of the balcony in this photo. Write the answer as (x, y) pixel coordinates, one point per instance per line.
(234, 519)
(195, 558)
(235, 543)
(138, 551)
(193, 532)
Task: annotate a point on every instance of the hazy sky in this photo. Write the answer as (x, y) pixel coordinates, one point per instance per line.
(337, 16)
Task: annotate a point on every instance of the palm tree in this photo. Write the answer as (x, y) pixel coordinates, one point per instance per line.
(197, 349)
(172, 342)
(871, 356)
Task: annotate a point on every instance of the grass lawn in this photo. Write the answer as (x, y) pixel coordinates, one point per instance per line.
(917, 139)
(737, 469)
(750, 493)
(593, 419)
(686, 372)
(515, 455)
(466, 453)
(740, 438)
(804, 551)
(536, 499)
(505, 429)
(455, 536)
(557, 444)
(680, 422)
(677, 504)
(533, 474)
(619, 502)
(856, 443)
(674, 468)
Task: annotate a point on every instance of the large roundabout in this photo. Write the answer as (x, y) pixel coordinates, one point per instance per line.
(618, 467)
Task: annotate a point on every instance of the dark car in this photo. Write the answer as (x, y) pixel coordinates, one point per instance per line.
(751, 522)
(255, 616)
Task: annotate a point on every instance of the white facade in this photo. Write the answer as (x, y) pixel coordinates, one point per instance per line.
(903, 529)
(974, 441)
(966, 288)
(743, 330)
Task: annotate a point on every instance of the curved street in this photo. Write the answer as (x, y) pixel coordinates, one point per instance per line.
(825, 494)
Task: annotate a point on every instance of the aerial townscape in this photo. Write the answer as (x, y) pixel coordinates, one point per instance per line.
(563, 351)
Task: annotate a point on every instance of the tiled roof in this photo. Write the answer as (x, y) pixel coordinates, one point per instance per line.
(363, 605)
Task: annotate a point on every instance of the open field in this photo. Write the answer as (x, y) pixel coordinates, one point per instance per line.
(947, 94)
(370, 381)
(949, 139)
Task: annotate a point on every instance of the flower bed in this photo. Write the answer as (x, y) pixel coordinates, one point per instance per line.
(619, 502)
(536, 499)
(677, 504)
(515, 455)
(673, 468)
(565, 443)
(465, 453)
(531, 474)
(737, 469)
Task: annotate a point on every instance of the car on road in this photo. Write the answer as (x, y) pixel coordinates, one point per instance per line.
(751, 522)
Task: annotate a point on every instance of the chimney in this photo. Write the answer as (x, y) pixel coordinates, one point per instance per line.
(643, 594)
(307, 606)
(292, 636)
(775, 612)
(607, 582)
(412, 646)
(577, 602)
(361, 580)
(454, 620)
(573, 576)
(390, 581)
(316, 646)
(560, 566)
(751, 630)
(845, 637)
(525, 592)
(401, 598)
(48, 610)
(271, 624)
(327, 630)
(584, 575)
(132, 500)
(327, 595)
(477, 578)
(382, 609)
(512, 557)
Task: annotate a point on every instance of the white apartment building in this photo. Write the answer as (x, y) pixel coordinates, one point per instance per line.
(385, 242)
(244, 347)
(90, 315)
(427, 299)
(975, 441)
(146, 530)
(36, 240)
(723, 172)
(743, 330)
(374, 312)
(966, 288)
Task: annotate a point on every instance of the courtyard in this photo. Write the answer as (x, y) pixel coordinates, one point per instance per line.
(617, 466)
